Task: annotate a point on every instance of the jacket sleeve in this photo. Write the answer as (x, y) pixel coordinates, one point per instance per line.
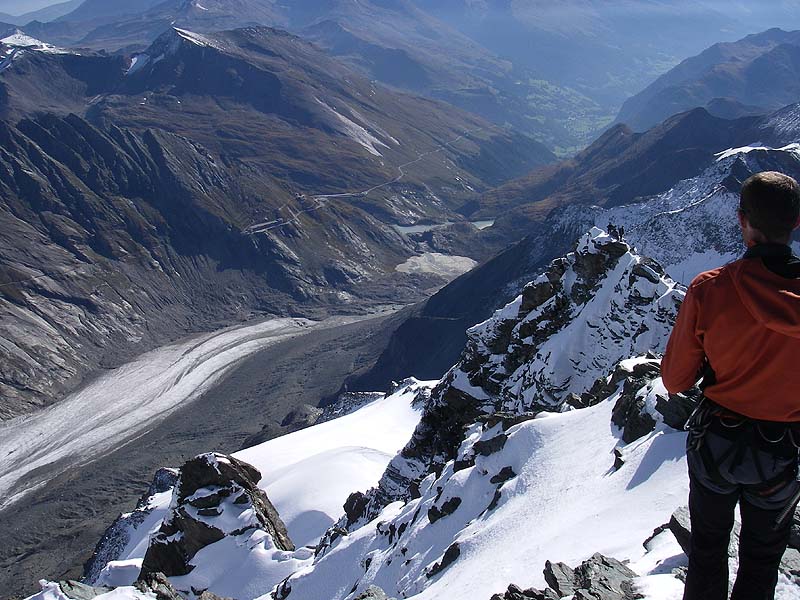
(685, 357)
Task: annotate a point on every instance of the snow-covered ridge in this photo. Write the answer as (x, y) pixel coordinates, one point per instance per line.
(513, 497)
(597, 306)
(22, 41)
(600, 304)
(794, 147)
(693, 226)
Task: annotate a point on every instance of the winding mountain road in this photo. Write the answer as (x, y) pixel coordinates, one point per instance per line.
(321, 199)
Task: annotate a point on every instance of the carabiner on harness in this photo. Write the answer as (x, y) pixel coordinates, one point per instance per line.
(698, 423)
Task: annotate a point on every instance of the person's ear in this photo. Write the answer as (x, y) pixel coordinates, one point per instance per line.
(743, 219)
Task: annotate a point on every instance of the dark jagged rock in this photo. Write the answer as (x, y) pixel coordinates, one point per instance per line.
(158, 585)
(354, 506)
(490, 446)
(604, 578)
(681, 527)
(504, 475)
(448, 508)
(631, 412)
(301, 417)
(208, 486)
(450, 556)
(599, 578)
(507, 420)
(329, 540)
(560, 578)
(516, 593)
(794, 540)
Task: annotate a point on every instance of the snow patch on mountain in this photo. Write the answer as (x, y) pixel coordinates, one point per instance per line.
(354, 131)
(22, 41)
(138, 62)
(197, 39)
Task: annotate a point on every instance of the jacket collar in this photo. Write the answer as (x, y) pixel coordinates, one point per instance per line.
(768, 250)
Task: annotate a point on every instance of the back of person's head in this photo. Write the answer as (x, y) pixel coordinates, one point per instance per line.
(771, 203)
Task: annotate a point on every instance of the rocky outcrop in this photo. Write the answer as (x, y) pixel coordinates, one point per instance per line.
(589, 311)
(117, 536)
(157, 584)
(681, 527)
(75, 590)
(374, 593)
(215, 496)
(643, 401)
(599, 578)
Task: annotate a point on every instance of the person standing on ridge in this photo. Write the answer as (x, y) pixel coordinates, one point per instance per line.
(739, 330)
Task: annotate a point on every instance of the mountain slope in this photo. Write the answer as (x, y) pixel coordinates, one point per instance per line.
(393, 42)
(49, 13)
(758, 73)
(619, 167)
(227, 214)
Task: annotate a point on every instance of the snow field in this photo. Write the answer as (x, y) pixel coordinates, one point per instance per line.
(307, 475)
(310, 473)
(565, 504)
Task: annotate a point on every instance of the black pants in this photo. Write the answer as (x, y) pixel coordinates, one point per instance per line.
(711, 506)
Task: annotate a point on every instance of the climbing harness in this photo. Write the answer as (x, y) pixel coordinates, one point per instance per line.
(746, 435)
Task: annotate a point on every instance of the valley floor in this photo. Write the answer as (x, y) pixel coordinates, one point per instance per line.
(101, 472)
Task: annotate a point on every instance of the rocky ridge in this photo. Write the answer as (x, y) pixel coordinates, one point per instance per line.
(534, 353)
(694, 223)
(507, 376)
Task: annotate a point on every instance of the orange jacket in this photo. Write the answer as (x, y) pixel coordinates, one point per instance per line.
(744, 319)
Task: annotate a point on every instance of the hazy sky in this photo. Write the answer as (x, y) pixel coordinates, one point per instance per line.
(18, 7)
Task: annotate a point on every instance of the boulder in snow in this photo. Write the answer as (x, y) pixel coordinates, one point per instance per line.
(374, 593)
(599, 578)
(215, 496)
